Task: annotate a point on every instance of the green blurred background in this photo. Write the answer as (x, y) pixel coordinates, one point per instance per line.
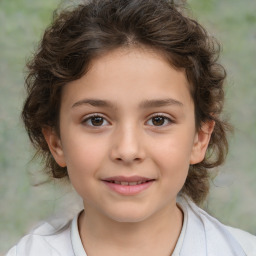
(22, 205)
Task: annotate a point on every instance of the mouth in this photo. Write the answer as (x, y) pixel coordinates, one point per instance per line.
(128, 185)
(128, 181)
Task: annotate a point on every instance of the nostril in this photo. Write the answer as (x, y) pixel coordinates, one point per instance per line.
(137, 159)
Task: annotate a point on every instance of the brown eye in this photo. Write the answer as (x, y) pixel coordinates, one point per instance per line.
(158, 120)
(94, 121)
(97, 121)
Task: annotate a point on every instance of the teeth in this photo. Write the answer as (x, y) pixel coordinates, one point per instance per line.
(133, 183)
(126, 183)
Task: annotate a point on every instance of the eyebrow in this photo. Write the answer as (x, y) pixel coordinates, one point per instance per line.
(160, 103)
(143, 104)
(94, 103)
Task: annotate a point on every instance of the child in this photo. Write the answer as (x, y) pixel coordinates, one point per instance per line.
(124, 99)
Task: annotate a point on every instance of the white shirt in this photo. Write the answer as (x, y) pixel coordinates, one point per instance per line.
(201, 235)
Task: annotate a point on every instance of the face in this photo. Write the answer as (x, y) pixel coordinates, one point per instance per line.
(127, 135)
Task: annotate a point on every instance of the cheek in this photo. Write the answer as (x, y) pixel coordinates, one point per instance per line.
(173, 151)
(83, 162)
(83, 158)
(172, 157)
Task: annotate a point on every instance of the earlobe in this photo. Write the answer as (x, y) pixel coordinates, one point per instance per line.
(201, 142)
(54, 144)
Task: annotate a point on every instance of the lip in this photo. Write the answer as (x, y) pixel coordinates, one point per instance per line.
(128, 190)
(127, 178)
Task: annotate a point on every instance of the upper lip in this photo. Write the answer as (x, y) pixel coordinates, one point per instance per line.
(127, 179)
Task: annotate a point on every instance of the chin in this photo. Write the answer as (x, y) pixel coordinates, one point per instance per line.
(128, 219)
(128, 216)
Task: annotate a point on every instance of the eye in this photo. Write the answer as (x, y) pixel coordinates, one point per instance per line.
(95, 121)
(159, 120)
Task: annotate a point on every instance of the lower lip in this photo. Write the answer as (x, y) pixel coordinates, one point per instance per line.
(128, 190)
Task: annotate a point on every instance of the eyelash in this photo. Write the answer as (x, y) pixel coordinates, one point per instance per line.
(89, 118)
(168, 119)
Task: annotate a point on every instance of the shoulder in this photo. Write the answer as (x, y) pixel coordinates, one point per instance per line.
(49, 238)
(216, 236)
(245, 239)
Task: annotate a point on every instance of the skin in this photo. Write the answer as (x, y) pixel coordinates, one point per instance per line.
(129, 141)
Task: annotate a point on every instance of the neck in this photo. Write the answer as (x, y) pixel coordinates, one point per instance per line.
(157, 235)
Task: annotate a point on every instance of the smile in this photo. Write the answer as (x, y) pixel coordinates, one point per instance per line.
(128, 185)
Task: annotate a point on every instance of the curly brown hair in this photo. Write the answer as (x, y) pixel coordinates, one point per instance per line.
(77, 36)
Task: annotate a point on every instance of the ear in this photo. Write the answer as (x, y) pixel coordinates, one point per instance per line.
(54, 144)
(201, 142)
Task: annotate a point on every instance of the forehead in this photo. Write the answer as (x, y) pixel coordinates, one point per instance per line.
(129, 73)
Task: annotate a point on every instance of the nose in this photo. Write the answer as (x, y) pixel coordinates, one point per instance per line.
(127, 146)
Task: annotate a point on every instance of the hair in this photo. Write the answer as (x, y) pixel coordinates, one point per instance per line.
(79, 35)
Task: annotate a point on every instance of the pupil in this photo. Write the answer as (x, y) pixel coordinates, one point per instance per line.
(158, 120)
(97, 121)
